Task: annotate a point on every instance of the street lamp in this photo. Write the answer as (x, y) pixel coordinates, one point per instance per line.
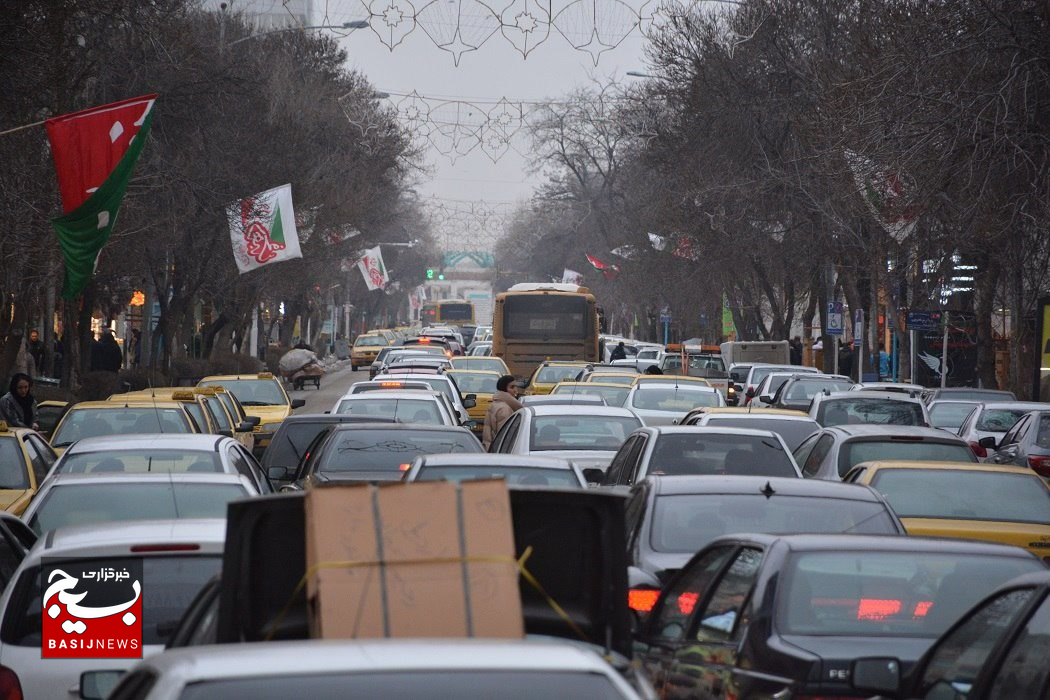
(355, 24)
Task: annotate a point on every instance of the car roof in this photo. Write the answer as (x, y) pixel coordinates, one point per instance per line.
(764, 413)
(374, 655)
(329, 418)
(414, 427)
(886, 464)
(886, 430)
(391, 394)
(487, 460)
(667, 485)
(106, 536)
(143, 402)
(230, 377)
(705, 430)
(1026, 406)
(836, 542)
(580, 410)
(66, 478)
(187, 442)
(664, 386)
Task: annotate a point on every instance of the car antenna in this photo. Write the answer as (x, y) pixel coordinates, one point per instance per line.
(767, 490)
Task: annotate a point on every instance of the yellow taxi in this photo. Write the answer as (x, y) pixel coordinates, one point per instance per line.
(480, 362)
(992, 502)
(261, 395)
(206, 407)
(482, 384)
(550, 372)
(365, 349)
(48, 413)
(625, 378)
(94, 418)
(614, 394)
(25, 459)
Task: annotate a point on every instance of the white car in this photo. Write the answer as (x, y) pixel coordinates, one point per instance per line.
(994, 420)
(176, 557)
(427, 407)
(437, 382)
(666, 404)
(510, 669)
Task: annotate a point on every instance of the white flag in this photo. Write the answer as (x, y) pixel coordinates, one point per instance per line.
(372, 267)
(572, 277)
(262, 229)
(658, 242)
(417, 297)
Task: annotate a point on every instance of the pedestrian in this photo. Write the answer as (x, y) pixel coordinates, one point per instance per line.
(796, 350)
(653, 369)
(36, 349)
(17, 406)
(135, 351)
(884, 364)
(618, 353)
(846, 360)
(105, 354)
(504, 403)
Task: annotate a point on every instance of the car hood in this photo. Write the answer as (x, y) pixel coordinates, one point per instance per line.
(267, 414)
(577, 554)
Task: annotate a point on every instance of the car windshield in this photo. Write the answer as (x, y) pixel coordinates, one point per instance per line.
(848, 410)
(390, 450)
(714, 453)
(685, 523)
(949, 415)
(373, 405)
(672, 399)
(887, 594)
(13, 471)
(794, 431)
(169, 583)
(552, 374)
(140, 461)
(965, 495)
(998, 420)
(613, 395)
(81, 503)
(253, 392)
(474, 684)
(854, 452)
(521, 476)
(580, 432)
(89, 422)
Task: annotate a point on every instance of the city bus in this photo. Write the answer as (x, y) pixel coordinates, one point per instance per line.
(533, 322)
(444, 311)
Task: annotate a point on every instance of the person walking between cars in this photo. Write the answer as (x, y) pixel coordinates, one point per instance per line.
(17, 406)
(106, 355)
(618, 353)
(504, 403)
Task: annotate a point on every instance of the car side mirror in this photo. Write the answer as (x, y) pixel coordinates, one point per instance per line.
(298, 403)
(254, 420)
(876, 675)
(96, 685)
(244, 427)
(593, 475)
(765, 398)
(988, 443)
(470, 401)
(277, 473)
(470, 424)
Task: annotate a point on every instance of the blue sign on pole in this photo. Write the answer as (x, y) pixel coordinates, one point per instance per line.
(835, 318)
(924, 321)
(858, 328)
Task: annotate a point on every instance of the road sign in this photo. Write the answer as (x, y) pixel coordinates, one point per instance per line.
(835, 316)
(924, 321)
(858, 328)
(665, 318)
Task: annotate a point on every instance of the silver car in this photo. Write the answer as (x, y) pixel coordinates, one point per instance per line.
(509, 669)
(587, 435)
(993, 420)
(176, 559)
(426, 407)
(520, 470)
(833, 451)
(667, 404)
(178, 454)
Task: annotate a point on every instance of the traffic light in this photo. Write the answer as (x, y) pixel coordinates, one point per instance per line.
(430, 273)
(441, 275)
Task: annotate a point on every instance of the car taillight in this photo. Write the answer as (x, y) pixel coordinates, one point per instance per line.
(642, 599)
(1040, 465)
(687, 601)
(10, 688)
(978, 450)
(405, 467)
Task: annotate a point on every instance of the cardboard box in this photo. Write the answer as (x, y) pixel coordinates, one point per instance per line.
(423, 559)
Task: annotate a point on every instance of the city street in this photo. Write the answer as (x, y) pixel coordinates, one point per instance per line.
(336, 381)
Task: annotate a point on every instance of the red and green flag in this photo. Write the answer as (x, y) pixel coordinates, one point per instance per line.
(609, 270)
(95, 153)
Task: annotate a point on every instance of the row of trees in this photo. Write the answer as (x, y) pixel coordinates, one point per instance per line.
(233, 118)
(801, 151)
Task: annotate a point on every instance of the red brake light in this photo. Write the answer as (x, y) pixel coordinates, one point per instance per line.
(978, 450)
(405, 467)
(187, 547)
(391, 385)
(1040, 465)
(642, 599)
(687, 601)
(424, 340)
(877, 608)
(10, 687)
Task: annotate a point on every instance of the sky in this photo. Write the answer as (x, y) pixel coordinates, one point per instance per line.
(496, 70)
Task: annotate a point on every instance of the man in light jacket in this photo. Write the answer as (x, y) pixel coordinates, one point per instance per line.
(504, 403)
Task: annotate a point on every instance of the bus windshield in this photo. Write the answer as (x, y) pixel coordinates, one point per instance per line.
(539, 316)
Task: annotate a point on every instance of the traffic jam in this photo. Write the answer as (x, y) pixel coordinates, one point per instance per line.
(446, 511)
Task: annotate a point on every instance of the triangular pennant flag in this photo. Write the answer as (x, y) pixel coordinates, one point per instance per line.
(95, 152)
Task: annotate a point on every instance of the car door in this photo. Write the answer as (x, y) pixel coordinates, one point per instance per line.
(811, 468)
(635, 466)
(664, 632)
(616, 466)
(504, 440)
(703, 666)
(1009, 450)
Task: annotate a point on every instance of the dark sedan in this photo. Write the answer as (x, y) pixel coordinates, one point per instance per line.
(755, 616)
(670, 518)
(377, 452)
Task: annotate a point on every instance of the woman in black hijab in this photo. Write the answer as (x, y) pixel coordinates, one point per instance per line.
(17, 406)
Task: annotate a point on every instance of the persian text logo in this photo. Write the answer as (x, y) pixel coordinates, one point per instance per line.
(92, 608)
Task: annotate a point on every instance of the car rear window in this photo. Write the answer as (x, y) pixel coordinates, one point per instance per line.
(386, 450)
(849, 410)
(854, 452)
(582, 432)
(949, 415)
(887, 594)
(613, 395)
(85, 423)
(523, 476)
(404, 410)
(370, 341)
(169, 583)
(82, 503)
(673, 399)
(555, 373)
(429, 683)
(965, 495)
(253, 392)
(686, 523)
(140, 462)
(707, 453)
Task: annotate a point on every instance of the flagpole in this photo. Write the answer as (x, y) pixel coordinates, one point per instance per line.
(24, 126)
